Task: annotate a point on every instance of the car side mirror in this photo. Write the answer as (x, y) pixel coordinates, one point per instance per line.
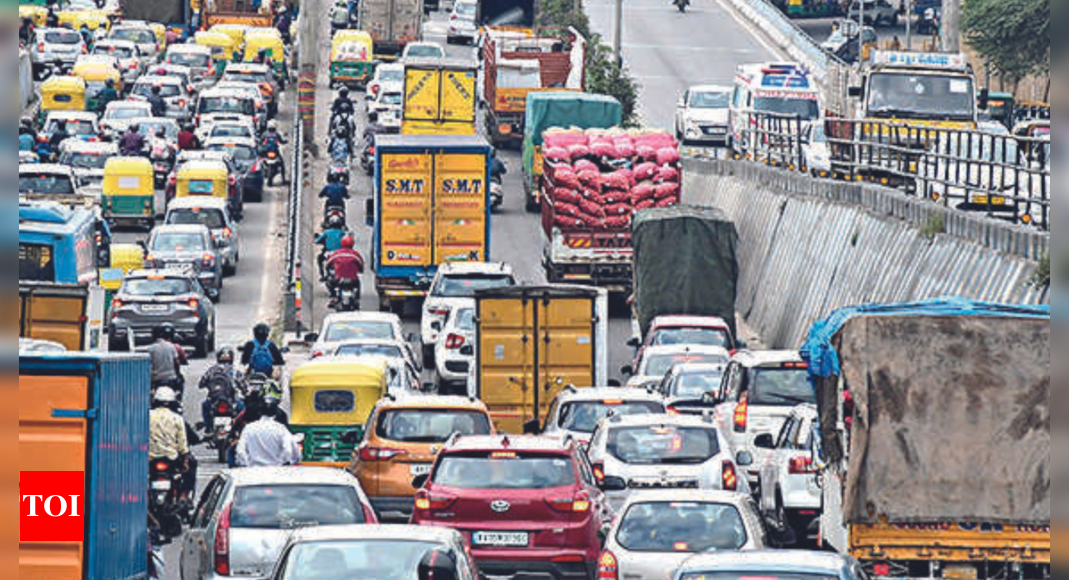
(765, 441)
(350, 437)
(420, 480)
(744, 459)
(613, 483)
(741, 345)
(627, 371)
(984, 100)
(634, 342)
(369, 208)
(311, 337)
(532, 427)
(615, 383)
(436, 325)
(854, 92)
(373, 116)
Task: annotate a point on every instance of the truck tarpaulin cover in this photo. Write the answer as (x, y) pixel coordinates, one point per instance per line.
(685, 263)
(165, 11)
(566, 110)
(951, 410)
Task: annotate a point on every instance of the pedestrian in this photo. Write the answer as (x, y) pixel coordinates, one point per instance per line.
(896, 44)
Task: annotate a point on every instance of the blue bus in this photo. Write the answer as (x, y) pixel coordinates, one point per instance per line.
(60, 244)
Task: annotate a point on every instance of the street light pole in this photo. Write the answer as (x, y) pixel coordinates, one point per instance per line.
(909, 25)
(617, 41)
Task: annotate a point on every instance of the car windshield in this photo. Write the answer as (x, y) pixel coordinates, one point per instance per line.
(663, 445)
(245, 77)
(85, 160)
(178, 242)
(62, 37)
(134, 35)
(364, 559)
(149, 129)
(75, 127)
(167, 90)
(757, 574)
(466, 9)
(430, 425)
(120, 52)
(392, 75)
(190, 59)
(584, 416)
(124, 113)
(504, 470)
(276, 507)
(921, 96)
(355, 330)
(210, 105)
(781, 387)
(710, 100)
(659, 365)
(424, 52)
(156, 287)
(696, 385)
(700, 336)
(682, 527)
(231, 130)
(806, 108)
(213, 219)
(46, 183)
(465, 286)
(383, 350)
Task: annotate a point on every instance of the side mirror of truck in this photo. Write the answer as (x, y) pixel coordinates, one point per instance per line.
(369, 209)
(854, 92)
(765, 441)
(634, 342)
(615, 383)
(627, 371)
(983, 101)
(741, 345)
(532, 427)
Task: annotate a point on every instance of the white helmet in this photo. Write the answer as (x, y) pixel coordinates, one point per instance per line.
(165, 395)
(272, 125)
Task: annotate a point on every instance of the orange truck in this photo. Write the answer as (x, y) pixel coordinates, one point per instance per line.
(521, 62)
(88, 413)
(236, 12)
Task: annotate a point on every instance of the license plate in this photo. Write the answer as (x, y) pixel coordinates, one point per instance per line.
(223, 422)
(422, 469)
(154, 308)
(161, 485)
(501, 539)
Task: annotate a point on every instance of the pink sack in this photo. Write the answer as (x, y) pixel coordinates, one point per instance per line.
(667, 156)
(603, 149)
(618, 209)
(625, 150)
(667, 174)
(556, 155)
(563, 139)
(668, 202)
(615, 197)
(566, 195)
(586, 165)
(578, 152)
(590, 178)
(568, 209)
(645, 204)
(616, 181)
(641, 192)
(591, 221)
(565, 177)
(622, 221)
(666, 190)
(591, 194)
(644, 171)
(592, 208)
(646, 153)
(563, 221)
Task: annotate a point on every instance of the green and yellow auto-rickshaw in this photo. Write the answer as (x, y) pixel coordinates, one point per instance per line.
(129, 193)
(257, 42)
(96, 75)
(352, 60)
(62, 93)
(224, 48)
(331, 400)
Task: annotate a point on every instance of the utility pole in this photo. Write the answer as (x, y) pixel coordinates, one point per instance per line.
(617, 41)
(951, 26)
(909, 25)
(311, 23)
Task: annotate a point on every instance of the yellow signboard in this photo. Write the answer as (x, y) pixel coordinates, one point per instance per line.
(406, 212)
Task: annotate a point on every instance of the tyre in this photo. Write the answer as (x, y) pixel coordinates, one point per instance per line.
(428, 356)
(231, 269)
(221, 454)
(200, 348)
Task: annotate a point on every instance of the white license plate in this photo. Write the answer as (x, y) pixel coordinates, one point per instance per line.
(223, 422)
(501, 539)
(421, 469)
(161, 485)
(154, 308)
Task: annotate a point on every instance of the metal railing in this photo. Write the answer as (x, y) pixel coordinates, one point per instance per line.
(1003, 176)
(294, 281)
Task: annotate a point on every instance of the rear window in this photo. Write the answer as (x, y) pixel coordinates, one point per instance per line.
(75, 127)
(126, 113)
(213, 219)
(134, 35)
(190, 60)
(335, 401)
(150, 287)
(664, 445)
(166, 90)
(245, 77)
(277, 507)
(36, 262)
(466, 320)
(383, 350)
(659, 365)
(62, 37)
(46, 183)
(683, 527)
(757, 575)
(353, 330)
(392, 75)
(584, 416)
(175, 242)
(781, 387)
(120, 52)
(85, 160)
(425, 52)
(364, 559)
(239, 153)
(695, 385)
(210, 105)
(466, 286)
(430, 425)
(700, 336)
(505, 470)
(149, 128)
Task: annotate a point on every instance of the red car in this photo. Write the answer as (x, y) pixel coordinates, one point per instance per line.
(696, 330)
(524, 504)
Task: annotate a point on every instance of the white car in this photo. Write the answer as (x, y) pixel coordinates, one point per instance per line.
(454, 353)
(41, 179)
(462, 26)
(139, 34)
(120, 115)
(210, 121)
(87, 160)
(576, 412)
(423, 50)
(240, 128)
(388, 78)
(386, 109)
(657, 361)
(816, 152)
(197, 58)
(214, 214)
(80, 125)
(342, 327)
(179, 102)
(454, 286)
(790, 492)
(702, 116)
(391, 349)
(128, 55)
(55, 47)
(656, 531)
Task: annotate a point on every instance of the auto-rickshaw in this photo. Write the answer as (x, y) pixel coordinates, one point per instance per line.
(236, 32)
(205, 178)
(36, 14)
(331, 400)
(257, 42)
(160, 30)
(352, 59)
(62, 93)
(92, 19)
(129, 193)
(96, 75)
(224, 49)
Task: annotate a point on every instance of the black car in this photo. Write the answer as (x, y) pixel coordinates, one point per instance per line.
(247, 162)
(149, 298)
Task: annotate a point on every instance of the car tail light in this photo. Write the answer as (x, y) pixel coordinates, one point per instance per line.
(222, 544)
(228, 233)
(439, 311)
(454, 341)
(379, 453)
(222, 408)
(579, 504)
(607, 567)
(730, 477)
(881, 570)
(801, 466)
(181, 103)
(207, 260)
(599, 472)
(742, 416)
(672, 411)
(117, 304)
(40, 47)
(315, 354)
(193, 303)
(255, 167)
(173, 180)
(272, 155)
(232, 180)
(425, 501)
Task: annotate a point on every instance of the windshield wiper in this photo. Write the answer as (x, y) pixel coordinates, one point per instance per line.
(793, 400)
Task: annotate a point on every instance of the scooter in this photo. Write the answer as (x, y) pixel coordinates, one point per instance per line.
(347, 296)
(162, 157)
(682, 5)
(224, 409)
(165, 505)
(272, 167)
(497, 193)
(367, 160)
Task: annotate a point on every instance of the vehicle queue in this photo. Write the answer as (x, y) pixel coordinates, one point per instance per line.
(698, 468)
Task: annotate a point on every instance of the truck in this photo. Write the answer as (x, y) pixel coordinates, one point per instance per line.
(933, 90)
(517, 64)
(935, 437)
(532, 342)
(546, 110)
(392, 25)
(171, 12)
(239, 12)
(439, 97)
(516, 15)
(431, 206)
(685, 263)
(88, 413)
(61, 249)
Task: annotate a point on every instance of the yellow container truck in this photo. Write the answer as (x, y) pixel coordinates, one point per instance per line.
(439, 97)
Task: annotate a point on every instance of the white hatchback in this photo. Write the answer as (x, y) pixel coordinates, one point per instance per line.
(453, 287)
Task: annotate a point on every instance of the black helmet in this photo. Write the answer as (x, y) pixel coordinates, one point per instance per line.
(261, 331)
(344, 93)
(164, 331)
(135, 128)
(110, 83)
(437, 564)
(156, 90)
(225, 356)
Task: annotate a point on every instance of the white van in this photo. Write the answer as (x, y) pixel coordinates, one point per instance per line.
(773, 88)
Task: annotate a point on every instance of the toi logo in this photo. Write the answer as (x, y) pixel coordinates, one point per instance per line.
(52, 506)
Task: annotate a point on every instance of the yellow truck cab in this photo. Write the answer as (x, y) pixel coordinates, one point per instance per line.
(440, 97)
(918, 90)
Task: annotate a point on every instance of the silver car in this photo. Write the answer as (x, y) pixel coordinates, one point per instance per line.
(790, 493)
(174, 93)
(191, 248)
(214, 214)
(140, 34)
(55, 47)
(656, 531)
(577, 412)
(702, 116)
(246, 517)
(692, 389)
(128, 55)
(661, 452)
(771, 565)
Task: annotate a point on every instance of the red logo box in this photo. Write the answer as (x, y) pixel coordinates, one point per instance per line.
(52, 506)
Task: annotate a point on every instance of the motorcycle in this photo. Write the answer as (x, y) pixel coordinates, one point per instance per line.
(177, 385)
(162, 157)
(497, 193)
(340, 172)
(272, 166)
(224, 409)
(682, 5)
(346, 295)
(165, 505)
(367, 160)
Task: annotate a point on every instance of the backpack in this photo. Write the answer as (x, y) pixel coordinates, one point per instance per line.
(261, 360)
(219, 382)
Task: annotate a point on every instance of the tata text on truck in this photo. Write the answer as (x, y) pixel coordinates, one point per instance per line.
(439, 97)
(392, 24)
(431, 206)
(935, 425)
(518, 63)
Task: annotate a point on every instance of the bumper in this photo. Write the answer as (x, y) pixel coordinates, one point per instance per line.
(229, 253)
(707, 135)
(535, 568)
(185, 332)
(393, 508)
(452, 370)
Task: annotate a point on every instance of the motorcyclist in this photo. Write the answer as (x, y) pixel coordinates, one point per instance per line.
(260, 355)
(226, 375)
(107, 95)
(187, 138)
(273, 142)
(59, 135)
(87, 36)
(27, 135)
(330, 239)
(335, 193)
(168, 438)
(344, 267)
(264, 441)
(162, 147)
(343, 105)
(341, 142)
(132, 143)
(156, 102)
(166, 358)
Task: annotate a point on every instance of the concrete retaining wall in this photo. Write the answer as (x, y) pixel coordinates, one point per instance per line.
(810, 246)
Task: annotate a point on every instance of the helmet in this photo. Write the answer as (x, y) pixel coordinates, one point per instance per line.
(261, 331)
(110, 83)
(164, 331)
(437, 564)
(225, 356)
(335, 222)
(135, 128)
(272, 125)
(156, 90)
(343, 93)
(165, 396)
(26, 122)
(348, 242)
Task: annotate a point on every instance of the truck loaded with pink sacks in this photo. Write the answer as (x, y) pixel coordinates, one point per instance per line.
(594, 181)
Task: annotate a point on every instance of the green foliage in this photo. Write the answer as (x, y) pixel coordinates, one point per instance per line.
(935, 225)
(1013, 35)
(1041, 279)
